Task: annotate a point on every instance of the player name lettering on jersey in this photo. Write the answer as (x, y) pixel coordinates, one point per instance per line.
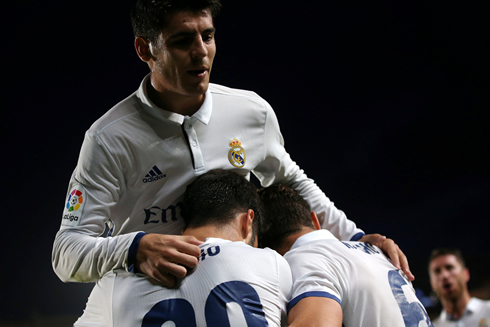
(366, 247)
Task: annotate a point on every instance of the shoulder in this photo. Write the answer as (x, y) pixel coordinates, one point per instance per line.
(238, 96)
(479, 303)
(119, 114)
(217, 89)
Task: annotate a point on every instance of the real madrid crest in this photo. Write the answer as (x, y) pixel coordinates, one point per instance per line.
(236, 154)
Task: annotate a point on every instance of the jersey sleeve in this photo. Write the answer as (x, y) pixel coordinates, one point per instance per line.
(80, 253)
(313, 276)
(278, 167)
(285, 281)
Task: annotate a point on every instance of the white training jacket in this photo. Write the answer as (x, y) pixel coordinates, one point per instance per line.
(137, 159)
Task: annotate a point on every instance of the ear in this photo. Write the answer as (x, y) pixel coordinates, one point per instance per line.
(315, 221)
(247, 221)
(142, 47)
(466, 274)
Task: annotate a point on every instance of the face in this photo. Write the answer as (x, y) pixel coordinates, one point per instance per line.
(183, 54)
(448, 277)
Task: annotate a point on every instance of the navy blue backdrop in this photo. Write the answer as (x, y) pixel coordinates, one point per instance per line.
(385, 104)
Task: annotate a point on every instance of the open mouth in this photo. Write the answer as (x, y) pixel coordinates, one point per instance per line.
(447, 286)
(198, 72)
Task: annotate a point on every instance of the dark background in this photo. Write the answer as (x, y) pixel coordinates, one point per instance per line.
(385, 104)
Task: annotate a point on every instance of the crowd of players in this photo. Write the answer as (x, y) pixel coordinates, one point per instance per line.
(321, 281)
(173, 157)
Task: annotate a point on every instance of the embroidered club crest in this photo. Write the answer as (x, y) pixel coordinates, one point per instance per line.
(236, 156)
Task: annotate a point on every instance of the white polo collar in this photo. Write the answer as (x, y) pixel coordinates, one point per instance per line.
(321, 234)
(203, 114)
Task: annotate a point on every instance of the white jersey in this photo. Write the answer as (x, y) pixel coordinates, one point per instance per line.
(137, 160)
(233, 282)
(371, 291)
(477, 314)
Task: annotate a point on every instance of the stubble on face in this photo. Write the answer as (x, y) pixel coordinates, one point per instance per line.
(448, 277)
(184, 54)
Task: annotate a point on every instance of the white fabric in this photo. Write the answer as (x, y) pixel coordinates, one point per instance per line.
(135, 139)
(123, 299)
(358, 276)
(477, 314)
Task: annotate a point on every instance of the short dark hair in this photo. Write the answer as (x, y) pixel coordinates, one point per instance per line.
(217, 196)
(284, 212)
(150, 17)
(446, 251)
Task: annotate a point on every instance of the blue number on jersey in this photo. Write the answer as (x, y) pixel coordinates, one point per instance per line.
(179, 311)
(240, 293)
(413, 312)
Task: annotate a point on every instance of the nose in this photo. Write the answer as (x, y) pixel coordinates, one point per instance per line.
(199, 49)
(444, 274)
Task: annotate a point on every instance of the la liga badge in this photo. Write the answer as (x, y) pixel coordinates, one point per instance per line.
(74, 206)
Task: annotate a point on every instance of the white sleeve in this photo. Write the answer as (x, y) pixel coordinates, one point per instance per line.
(285, 280)
(278, 167)
(285, 286)
(313, 275)
(79, 254)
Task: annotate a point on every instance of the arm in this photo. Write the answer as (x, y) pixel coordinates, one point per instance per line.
(316, 312)
(277, 167)
(81, 254)
(318, 291)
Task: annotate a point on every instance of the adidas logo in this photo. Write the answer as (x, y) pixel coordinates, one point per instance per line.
(153, 175)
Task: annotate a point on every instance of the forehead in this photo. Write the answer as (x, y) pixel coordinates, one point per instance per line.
(444, 260)
(186, 21)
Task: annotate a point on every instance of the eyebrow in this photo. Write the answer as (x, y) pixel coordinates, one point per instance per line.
(187, 34)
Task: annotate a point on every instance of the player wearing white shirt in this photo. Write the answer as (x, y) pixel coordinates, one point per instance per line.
(334, 282)
(137, 159)
(233, 282)
(476, 313)
(449, 277)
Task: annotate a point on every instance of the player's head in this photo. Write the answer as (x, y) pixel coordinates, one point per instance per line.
(448, 273)
(285, 213)
(217, 197)
(151, 17)
(176, 39)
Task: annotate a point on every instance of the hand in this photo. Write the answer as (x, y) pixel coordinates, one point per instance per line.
(392, 250)
(165, 257)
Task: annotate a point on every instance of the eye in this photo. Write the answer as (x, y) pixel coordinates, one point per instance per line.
(207, 37)
(182, 42)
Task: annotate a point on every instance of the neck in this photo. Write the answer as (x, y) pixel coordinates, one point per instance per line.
(185, 105)
(456, 307)
(224, 232)
(289, 240)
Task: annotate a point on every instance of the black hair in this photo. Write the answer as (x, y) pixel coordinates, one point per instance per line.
(445, 251)
(284, 212)
(150, 17)
(217, 196)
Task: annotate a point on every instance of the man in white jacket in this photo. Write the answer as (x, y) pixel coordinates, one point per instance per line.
(123, 205)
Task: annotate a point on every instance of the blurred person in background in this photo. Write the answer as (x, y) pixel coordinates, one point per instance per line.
(449, 277)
